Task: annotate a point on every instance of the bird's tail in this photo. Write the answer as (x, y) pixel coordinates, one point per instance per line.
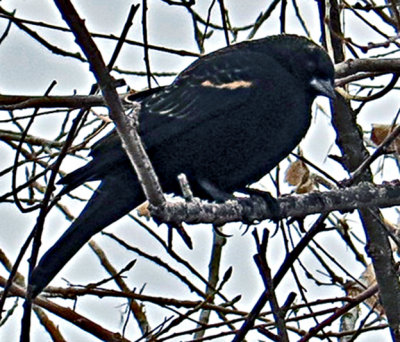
(116, 196)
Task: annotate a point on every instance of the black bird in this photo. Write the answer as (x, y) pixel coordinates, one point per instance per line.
(226, 121)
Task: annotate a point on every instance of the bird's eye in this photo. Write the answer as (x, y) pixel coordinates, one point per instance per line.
(311, 66)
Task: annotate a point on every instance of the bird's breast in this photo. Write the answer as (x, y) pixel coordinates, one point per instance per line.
(233, 150)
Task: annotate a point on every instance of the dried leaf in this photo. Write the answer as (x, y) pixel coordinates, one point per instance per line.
(368, 279)
(143, 210)
(380, 132)
(298, 175)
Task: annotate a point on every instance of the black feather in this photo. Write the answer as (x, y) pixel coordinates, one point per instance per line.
(226, 121)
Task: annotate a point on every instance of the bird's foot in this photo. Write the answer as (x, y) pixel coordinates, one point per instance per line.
(271, 201)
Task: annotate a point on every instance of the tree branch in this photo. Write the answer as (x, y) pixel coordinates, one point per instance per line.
(125, 126)
(256, 208)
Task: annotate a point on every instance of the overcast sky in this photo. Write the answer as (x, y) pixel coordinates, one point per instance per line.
(27, 68)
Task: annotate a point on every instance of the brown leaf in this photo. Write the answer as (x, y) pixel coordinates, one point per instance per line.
(298, 175)
(379, 132)
(143, 210)
(368, 279)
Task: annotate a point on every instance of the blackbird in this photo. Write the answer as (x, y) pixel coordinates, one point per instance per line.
(226, 121)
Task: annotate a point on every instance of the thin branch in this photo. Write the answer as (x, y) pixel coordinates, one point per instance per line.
(70, 315)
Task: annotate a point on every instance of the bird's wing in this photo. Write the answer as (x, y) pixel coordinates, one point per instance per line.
(212, 86)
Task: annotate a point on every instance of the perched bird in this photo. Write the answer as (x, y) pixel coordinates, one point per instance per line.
(226, 121)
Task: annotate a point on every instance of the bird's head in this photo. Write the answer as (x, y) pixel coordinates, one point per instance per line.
(307, 61)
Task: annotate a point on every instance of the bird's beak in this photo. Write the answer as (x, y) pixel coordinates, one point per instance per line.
(323, 87)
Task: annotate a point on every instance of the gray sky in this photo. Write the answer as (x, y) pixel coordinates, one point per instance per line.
(27, 68)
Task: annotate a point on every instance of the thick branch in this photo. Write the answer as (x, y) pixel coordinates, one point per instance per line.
(353, 66)
(349, 139)
(126, 130)
(255, 208)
